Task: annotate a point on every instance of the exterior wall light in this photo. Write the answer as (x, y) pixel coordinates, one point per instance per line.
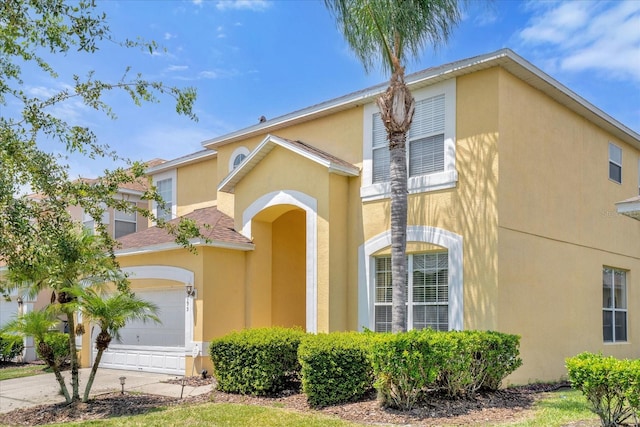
(190, 290)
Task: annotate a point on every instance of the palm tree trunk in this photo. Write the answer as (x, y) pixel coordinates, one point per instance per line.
(398, 232)
(396, 109)
(63, 386)
(92, 376)
(75, 380)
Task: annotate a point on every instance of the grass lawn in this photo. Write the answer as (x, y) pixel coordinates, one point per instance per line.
(19, 371)
(555, 409)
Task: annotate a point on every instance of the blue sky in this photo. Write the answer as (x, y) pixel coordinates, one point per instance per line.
(252, 58)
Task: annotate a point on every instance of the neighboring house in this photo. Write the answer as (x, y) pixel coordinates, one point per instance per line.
(120, 223)
(523, 218)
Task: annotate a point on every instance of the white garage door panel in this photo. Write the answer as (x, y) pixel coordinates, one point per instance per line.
(169, 360)
(8, 310)
(150, 346)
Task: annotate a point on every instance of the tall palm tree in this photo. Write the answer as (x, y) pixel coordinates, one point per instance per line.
(387, 33)
(38, 324)
(111, 313)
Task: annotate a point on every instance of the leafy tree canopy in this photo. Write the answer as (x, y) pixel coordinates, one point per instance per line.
(31, 31)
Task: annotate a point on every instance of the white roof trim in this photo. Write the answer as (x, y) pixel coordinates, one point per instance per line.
(173, 246)
(260, 152)
(182, 161)
(505, 58)
(630, 208)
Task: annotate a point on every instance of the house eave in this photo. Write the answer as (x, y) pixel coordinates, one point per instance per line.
(504, 58)
(163, 247)
(183, 161)
(630, 208)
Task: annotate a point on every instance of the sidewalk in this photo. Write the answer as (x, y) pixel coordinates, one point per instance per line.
(43, 388)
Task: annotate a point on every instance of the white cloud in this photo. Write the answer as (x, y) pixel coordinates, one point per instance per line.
(217, 74)
(252, 5)
(208, 74)
(177, 68)
(169, 36)
(581, 36)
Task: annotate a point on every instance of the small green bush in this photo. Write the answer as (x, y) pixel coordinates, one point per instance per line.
(257, 361)
(405, 367)
(497, 357)
(335, 367)
(611, 386)
(57, 343)
(11, 346)
(474, 360)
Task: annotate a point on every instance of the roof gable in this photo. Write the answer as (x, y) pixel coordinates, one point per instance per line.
(331, 162)
(215, 226)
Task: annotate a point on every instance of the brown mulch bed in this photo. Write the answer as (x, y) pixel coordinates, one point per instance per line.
(502, 406)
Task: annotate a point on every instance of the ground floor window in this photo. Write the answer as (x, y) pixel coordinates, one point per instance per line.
(614, 305)
(427, 292)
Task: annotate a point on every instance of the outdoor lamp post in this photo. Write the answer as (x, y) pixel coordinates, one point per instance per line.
(122, 379)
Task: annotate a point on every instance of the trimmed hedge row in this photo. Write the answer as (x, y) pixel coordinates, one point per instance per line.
(345, 366)
(335, 367)
(611, 386)
(257, 361)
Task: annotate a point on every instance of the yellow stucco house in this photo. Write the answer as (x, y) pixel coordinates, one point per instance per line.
(523, 218)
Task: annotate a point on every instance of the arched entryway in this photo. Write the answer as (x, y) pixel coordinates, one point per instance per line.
(282, 270)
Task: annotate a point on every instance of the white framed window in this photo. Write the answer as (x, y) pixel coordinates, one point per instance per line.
(427, 291)
(430, 145)
(165, 184)
(614, 305)
(124, 223)
(615, 163)
(238, 155)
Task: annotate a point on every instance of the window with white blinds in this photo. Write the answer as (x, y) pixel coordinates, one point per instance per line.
(427, 292)
(425, 141)
(431, 145)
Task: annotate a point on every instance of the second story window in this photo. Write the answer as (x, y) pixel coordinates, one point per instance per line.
(430, 145)
(165, 190)
(124, 223)
(615, 163)
(425, 141)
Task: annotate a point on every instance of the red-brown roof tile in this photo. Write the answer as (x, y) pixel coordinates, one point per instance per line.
(219, 228)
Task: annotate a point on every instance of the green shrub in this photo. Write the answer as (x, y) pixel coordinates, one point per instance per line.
(335, 367)
(257, 361)
(405, 367)
(458, 374)
(611, 386)
(472, 360)
(497, 357)
(55, 349)
(11, 346)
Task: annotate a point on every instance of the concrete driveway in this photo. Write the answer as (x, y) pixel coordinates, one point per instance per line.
(43, 388)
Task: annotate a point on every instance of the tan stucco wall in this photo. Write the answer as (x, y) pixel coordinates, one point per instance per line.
(557, 229)
(197, 186)
(288, 275)
(338, 134)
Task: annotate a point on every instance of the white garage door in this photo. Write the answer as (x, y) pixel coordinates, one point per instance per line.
(150, 346)
(8, 310)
